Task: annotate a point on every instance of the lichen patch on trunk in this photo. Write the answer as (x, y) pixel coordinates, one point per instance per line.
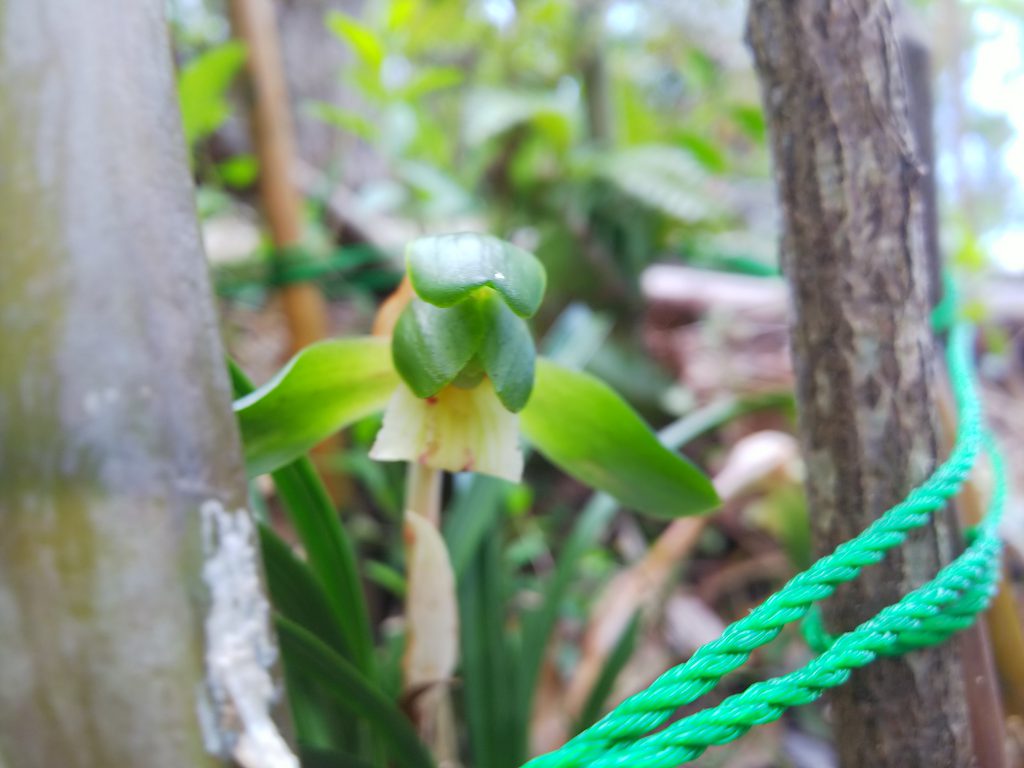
(240, 693)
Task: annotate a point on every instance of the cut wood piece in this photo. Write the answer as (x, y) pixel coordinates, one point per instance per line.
(700, 290)
(694, 291)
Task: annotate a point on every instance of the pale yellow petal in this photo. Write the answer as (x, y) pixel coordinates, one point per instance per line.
(458, 430)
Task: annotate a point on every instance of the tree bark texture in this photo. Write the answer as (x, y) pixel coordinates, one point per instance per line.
(984, 704)
(115, 417)
(853, 248)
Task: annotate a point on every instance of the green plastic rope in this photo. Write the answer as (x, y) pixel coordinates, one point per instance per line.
(926, 616)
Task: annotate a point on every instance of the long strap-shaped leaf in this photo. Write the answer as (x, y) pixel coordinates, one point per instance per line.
(352, 691)
(329, 551)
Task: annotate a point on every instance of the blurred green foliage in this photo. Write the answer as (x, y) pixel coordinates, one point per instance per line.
(602, 136)
(202, 89)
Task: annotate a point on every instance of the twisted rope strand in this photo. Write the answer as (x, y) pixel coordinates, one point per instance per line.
(926, 616)
(944, 605)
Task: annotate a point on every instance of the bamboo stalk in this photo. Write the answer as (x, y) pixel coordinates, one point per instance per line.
(254, 23)
(304, 306)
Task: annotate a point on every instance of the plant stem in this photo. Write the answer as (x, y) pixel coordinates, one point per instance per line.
(423, 492)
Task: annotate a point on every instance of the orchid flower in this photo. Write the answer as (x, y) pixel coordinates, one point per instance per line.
(465, 354)
(458, 378)
(454, 368)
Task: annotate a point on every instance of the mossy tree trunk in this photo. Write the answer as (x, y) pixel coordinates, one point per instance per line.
(850, 186)
(115, 421)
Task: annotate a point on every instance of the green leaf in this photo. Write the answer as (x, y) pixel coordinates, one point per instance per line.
(615, 663)
(471, 517)
(507, 353)
(320, 757)
(970, 256)
(576, 336)
(445, 269)
(345, 119)
(364, 41)
(239, 172)
(584, 427)
(496, 724)
(750, 119)
(304, 654)
(329, 551)
(431, 80)
(539, 624)
(490, 112)
(296, 593)
(665, 178)
(386, 577)
(331, 555)
(322, 389)
(431, 345)
(707, 153)
(202, 89)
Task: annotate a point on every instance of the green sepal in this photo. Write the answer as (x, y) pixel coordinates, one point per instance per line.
(507, 353)
(446, 269)
(586, 429)
(430, 345)
(471, 375)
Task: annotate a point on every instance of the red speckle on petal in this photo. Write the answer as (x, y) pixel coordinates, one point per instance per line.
(432, 400)
(408, 535)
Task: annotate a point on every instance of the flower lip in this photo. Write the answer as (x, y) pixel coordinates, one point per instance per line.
(457, 430)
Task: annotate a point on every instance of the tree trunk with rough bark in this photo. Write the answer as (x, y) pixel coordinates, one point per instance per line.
(850, 187)
(133, 629)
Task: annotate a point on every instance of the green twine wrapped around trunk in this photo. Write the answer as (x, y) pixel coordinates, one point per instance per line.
(926, 616)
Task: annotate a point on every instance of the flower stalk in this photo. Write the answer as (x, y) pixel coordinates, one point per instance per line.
(423, 492)
(466, 359)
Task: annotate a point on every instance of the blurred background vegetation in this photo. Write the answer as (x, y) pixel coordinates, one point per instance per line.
(612, 139)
